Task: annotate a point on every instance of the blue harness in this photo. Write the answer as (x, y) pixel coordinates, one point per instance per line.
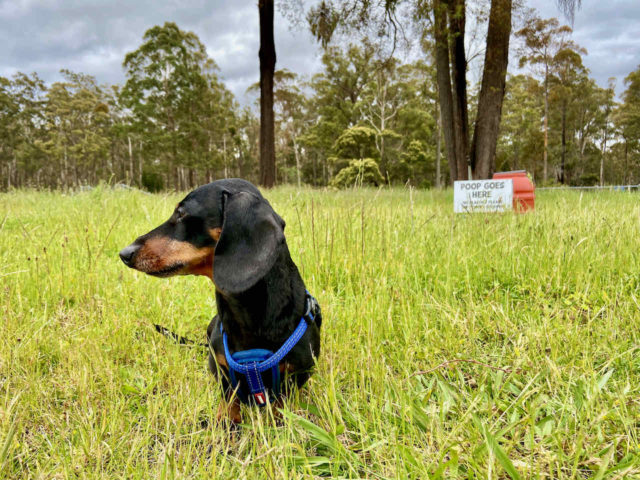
(253, 363)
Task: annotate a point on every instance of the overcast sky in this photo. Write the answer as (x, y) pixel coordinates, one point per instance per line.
(92, 36)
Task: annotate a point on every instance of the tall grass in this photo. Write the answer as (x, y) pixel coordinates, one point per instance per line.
(454, 346)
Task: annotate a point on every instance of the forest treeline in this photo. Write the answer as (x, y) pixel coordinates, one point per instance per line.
(174, 125)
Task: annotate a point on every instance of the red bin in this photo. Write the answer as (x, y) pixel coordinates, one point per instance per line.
(524, 192)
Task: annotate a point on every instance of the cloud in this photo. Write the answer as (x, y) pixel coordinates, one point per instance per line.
(93, 36)
(609, 30)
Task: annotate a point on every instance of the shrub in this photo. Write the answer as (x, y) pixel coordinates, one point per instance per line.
(358, 173)
(152, 180)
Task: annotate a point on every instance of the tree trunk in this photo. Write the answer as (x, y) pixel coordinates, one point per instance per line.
(626, 161)
(564, 141)
(297, 156)
(604, 150)
(545, 153)
(485, 135)
(438, 146)
(443, 76)
(315, 175)
(267, 56)
(459, 71)
(224, 155)
(130, 160)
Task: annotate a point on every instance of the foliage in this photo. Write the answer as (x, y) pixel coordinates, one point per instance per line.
(356, 142)
(175, 125)
(546, 325)
(152, 181)
(180, 108)
(358, 173)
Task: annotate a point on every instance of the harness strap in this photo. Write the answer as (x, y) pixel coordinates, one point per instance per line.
(272, 361)
(252, 370)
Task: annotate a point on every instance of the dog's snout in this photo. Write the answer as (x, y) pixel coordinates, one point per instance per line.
(127, 254)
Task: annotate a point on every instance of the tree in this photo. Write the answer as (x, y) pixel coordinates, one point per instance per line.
(520, 138)
(21, 127)
(267, 56)
(608, 106)
(333, 107)
(451, 64)
(568, 71)
(179, 108)
(627, 119)
(381, 101)
(76, 116)
(485, 133)
(543, 40)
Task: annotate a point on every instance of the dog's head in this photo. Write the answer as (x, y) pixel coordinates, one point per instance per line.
(224, 230)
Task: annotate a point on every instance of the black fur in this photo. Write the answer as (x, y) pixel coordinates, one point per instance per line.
(259, 292)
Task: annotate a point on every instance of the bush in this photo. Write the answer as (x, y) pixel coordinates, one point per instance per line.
(358, 173)
(151, 180)
(356, 142)
(588, 180)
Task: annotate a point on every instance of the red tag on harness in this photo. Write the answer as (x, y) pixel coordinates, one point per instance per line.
(260, 398)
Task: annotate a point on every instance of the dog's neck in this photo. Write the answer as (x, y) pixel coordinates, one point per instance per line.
(266, 314)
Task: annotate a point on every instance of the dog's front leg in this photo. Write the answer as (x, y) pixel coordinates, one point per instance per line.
(229, 409)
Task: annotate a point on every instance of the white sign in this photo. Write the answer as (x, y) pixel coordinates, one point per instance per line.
(483, 196)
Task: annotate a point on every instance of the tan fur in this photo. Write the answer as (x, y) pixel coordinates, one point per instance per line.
(222, 360)
(215, 233)
(159, 253)
(229, 411)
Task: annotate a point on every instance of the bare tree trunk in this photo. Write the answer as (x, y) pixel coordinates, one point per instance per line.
(564, 141)
(9, 175)
(315, 174)
(140, 165)
(224, 155)
(438, 146)
(267, 56)
(140, 170)
(443, 77)
(485, 135)
(545, 153)
(297, 156)
(604, 151)
(626, 161)
(130, 157)
(65, 172)
(459, 69)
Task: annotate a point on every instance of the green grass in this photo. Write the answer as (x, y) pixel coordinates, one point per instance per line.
(543, 308)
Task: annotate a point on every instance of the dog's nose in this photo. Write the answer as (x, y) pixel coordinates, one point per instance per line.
(127, 254)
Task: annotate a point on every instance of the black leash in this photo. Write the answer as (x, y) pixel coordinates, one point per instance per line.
(313, 309)
(179, 339)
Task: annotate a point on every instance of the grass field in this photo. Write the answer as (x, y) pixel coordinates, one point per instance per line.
(537, 316)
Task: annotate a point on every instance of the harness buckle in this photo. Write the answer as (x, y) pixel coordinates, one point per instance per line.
(312, 308)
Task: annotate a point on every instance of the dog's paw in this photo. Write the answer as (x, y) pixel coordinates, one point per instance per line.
(229, 412)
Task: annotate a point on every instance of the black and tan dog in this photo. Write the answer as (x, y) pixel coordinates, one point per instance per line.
(227, 231)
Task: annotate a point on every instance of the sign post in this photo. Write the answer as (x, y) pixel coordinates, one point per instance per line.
(483, 196)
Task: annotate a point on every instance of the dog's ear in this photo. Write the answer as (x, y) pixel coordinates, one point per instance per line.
(248, 246)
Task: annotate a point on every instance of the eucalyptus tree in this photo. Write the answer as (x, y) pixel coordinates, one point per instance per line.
(448, 20)
(542, 40)
(178, 105)
(333, 105)
(21, 126)
(627, 120)
(76, 116)
(520, 141)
